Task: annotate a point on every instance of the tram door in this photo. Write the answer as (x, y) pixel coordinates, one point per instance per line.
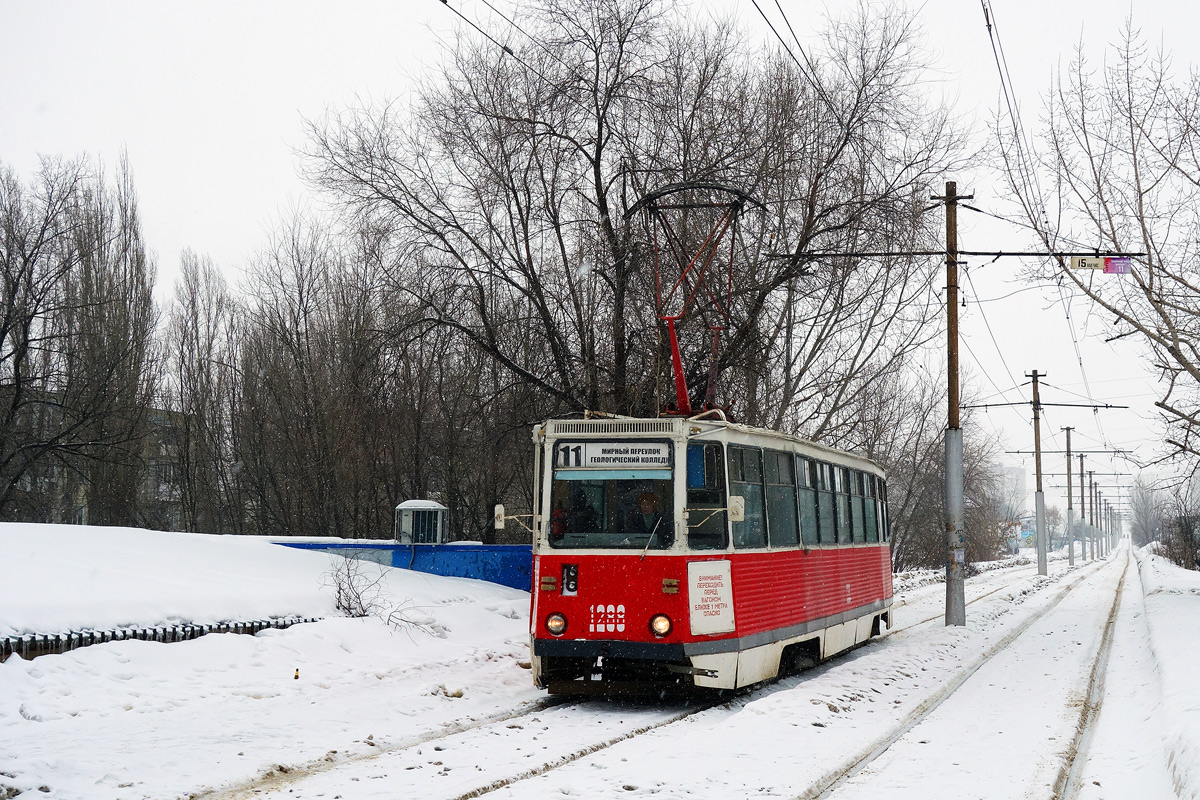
(707, 524)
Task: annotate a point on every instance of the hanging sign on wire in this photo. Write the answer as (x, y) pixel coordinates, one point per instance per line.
(1112, 265)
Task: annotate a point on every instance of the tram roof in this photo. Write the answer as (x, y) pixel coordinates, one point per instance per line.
(616, 424)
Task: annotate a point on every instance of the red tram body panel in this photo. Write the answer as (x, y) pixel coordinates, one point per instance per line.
(685, 552)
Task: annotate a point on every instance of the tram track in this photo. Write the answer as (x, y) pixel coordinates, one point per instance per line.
(828, 784)
(562, 761)
(281, 776)
(446, 764)
(1013, 574)
(911, 625)
(1067, 785)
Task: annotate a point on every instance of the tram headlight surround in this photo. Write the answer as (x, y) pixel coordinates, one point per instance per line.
(556, 624)
(660, 625)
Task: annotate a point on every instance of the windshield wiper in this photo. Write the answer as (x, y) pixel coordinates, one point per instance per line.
(650, 538)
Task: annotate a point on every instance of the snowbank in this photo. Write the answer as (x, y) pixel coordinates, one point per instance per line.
(59, 578)
(136, 719)
(1172, 609)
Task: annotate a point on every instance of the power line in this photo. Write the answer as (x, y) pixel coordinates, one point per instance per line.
(1063, 304)
(812, 67)
(493, 40)
(1023, 224)
(1079, 359)
(810, 76)
(1111, 452)
(1006, 296)
(1000, 391)
(1023, 158)
(988, 325)
(526, 34)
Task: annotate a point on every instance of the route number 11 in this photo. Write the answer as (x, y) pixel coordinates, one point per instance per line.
(568, 451)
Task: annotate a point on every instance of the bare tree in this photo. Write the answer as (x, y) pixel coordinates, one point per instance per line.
(510, 178)
(78, 367)
(108, 350)
(1054, 525)
(204, 379)
(1119, 170)
(1147, 511)
(1179, 539)
(901, 425)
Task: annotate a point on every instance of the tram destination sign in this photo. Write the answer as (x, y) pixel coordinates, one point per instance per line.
(612, 455)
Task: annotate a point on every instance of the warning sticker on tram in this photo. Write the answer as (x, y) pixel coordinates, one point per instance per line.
(710, 597)
(612, 455)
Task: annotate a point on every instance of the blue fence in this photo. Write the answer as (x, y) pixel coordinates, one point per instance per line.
(506, 564)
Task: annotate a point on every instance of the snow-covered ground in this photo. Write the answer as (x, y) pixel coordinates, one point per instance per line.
(1049, 672)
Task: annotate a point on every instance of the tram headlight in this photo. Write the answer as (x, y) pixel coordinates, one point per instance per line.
(660, 625)
(556, 623)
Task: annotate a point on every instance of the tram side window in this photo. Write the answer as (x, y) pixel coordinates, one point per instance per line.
(841, 478)
(745, 479)
(885, 523)
(870, 522)
(781, 499)
(806, 474)
(825, 516)
(856, 505)
(705, 492)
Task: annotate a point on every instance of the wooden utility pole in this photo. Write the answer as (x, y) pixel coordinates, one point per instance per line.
(1039, 499)
(1070, 529)
(956, 604)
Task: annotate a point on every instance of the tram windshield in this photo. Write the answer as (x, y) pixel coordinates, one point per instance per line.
(626, 512)
(612, 495)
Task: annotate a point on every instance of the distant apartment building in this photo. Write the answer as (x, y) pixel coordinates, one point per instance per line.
(1013, 490)
(61, 491)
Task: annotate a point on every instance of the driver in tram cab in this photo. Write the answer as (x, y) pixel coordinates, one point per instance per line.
(581, 517)
(647, 519)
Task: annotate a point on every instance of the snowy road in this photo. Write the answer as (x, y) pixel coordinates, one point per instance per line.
(1058, 687)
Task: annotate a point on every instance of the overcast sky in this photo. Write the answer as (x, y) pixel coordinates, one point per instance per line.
(208, 99)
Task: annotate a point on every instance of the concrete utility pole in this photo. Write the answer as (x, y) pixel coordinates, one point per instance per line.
(1108, 510)
(1103, 528)
(956, 604)
(1039, 499)
(1092, 510)
(1070, 530)
(1082, 511)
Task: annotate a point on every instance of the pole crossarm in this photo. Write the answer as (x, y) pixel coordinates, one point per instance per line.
(817, 255)
(1030, 452)
(1028, 402)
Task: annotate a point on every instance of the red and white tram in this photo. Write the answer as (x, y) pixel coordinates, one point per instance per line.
(680, 552)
